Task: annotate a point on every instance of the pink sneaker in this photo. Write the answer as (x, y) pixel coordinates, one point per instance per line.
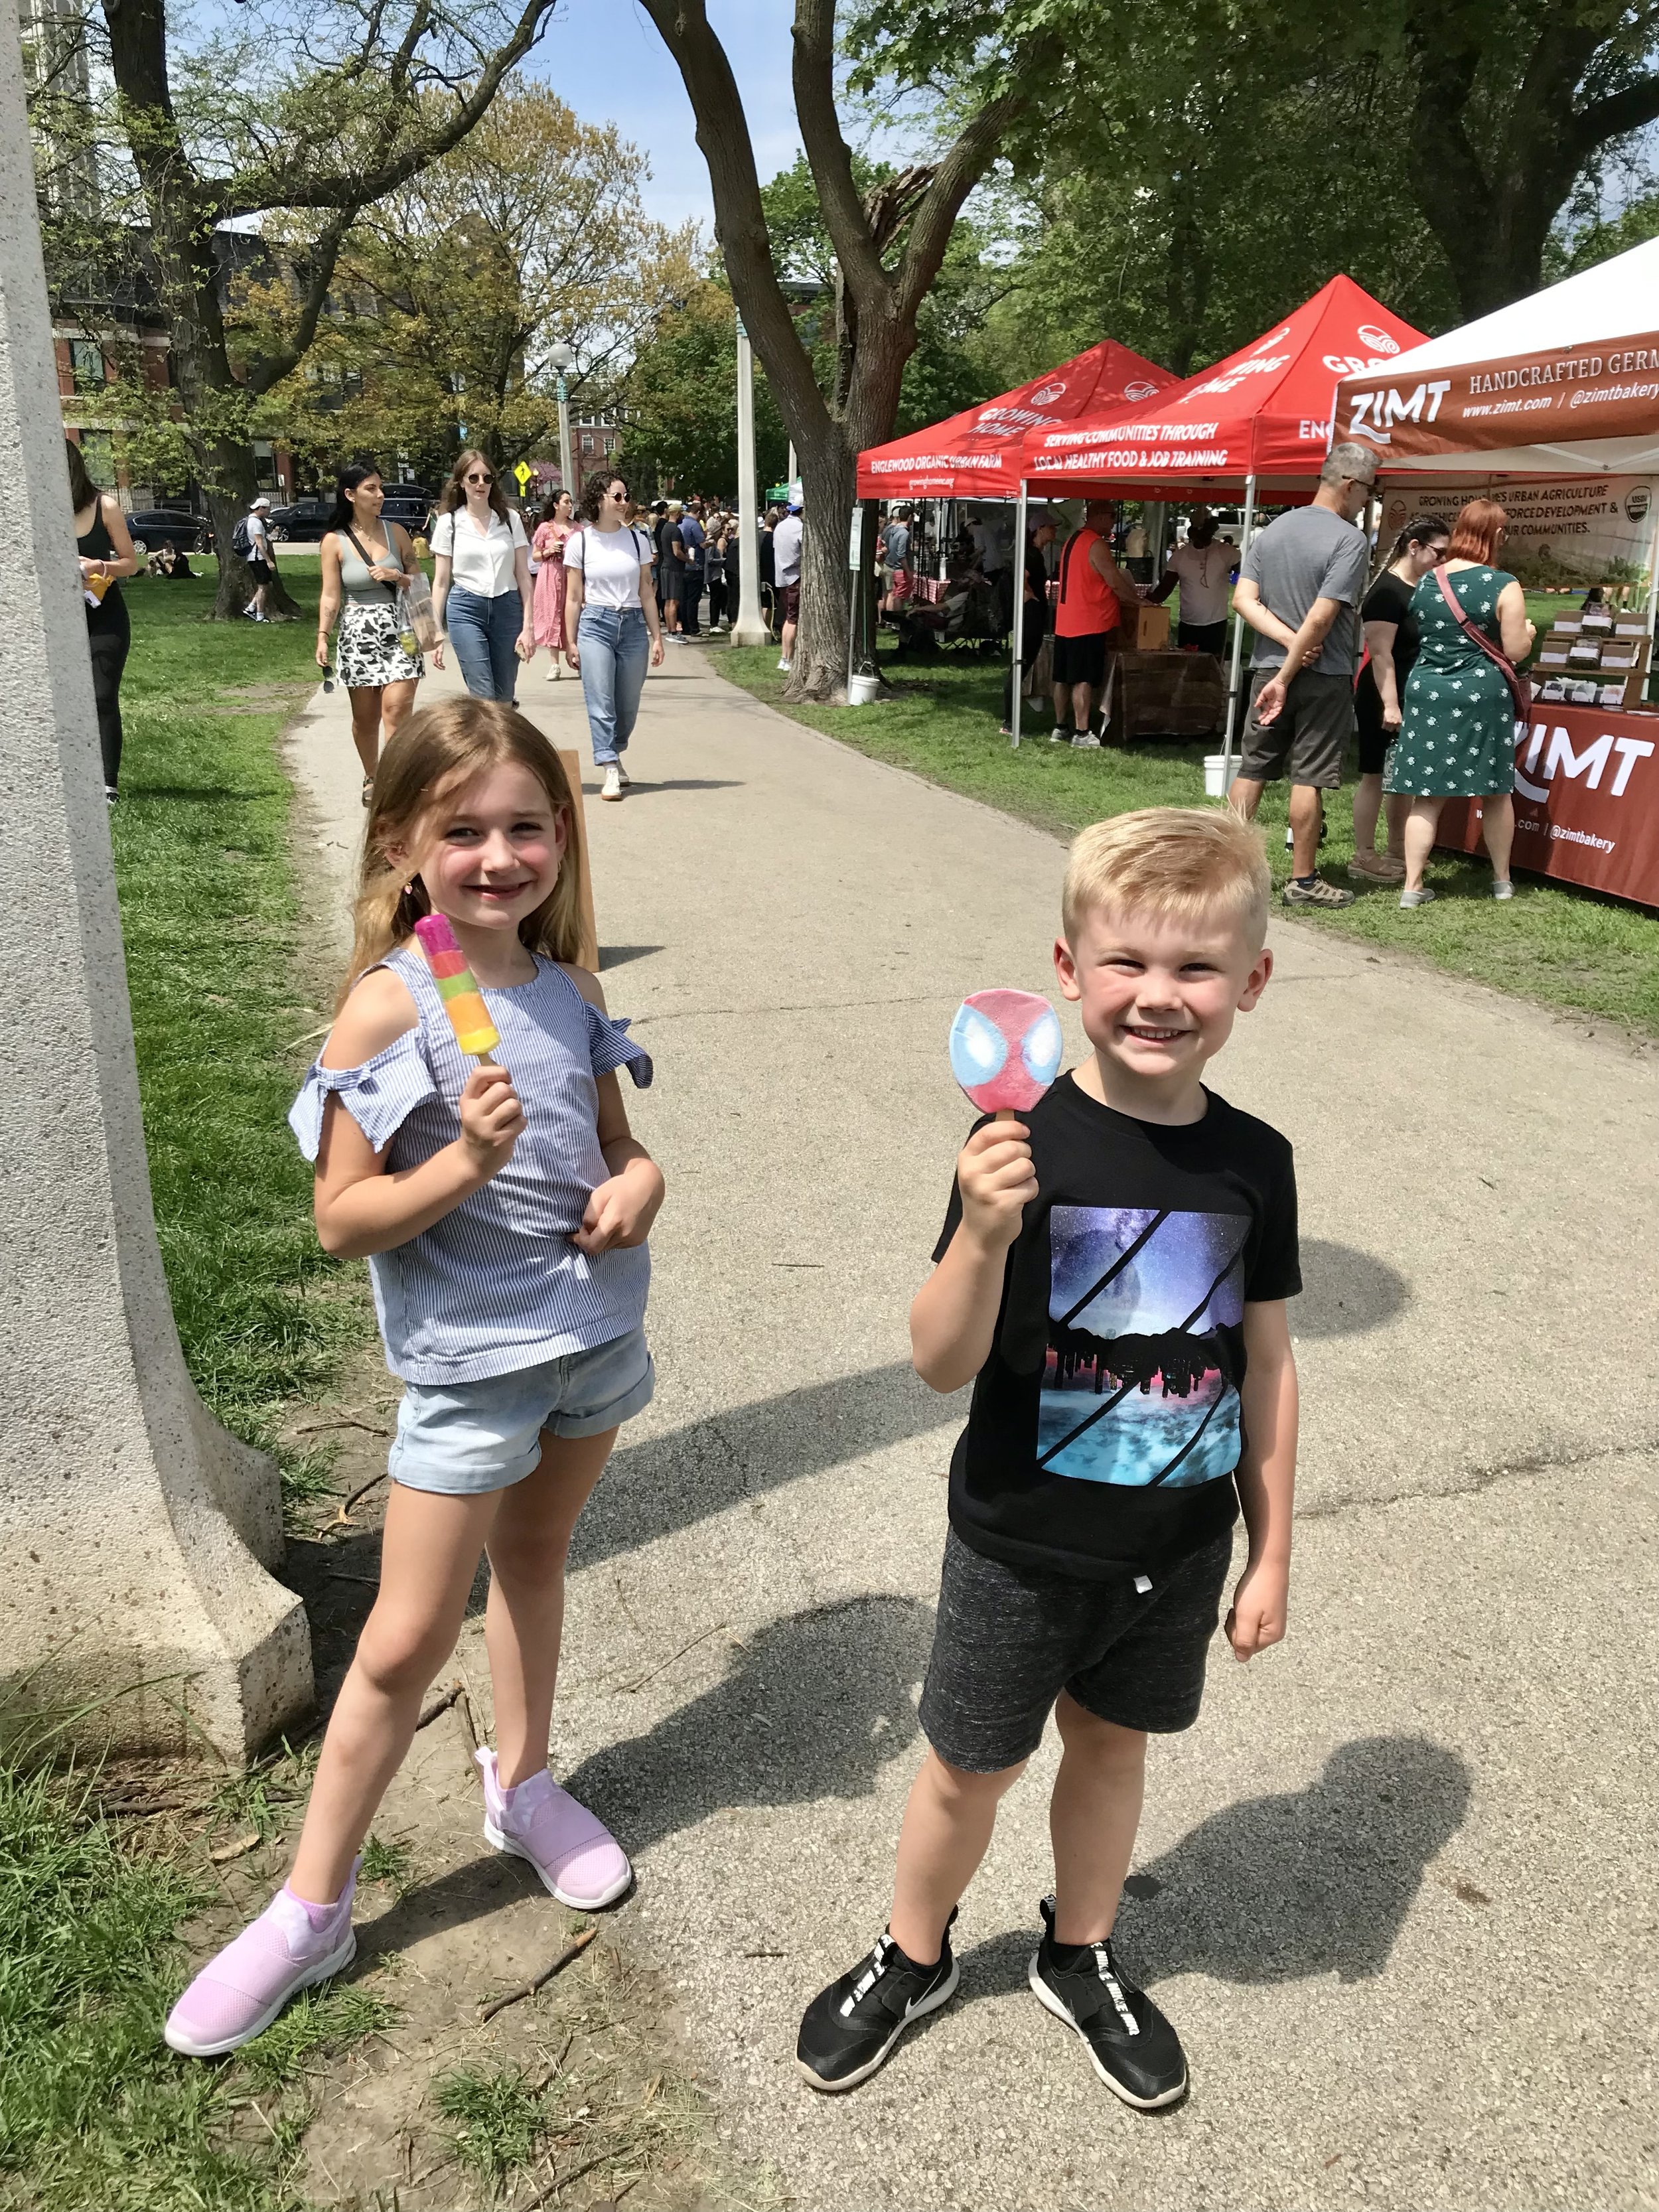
(291, 1946)
(571, 1848)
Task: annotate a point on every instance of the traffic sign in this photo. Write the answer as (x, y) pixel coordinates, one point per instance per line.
(525, 475)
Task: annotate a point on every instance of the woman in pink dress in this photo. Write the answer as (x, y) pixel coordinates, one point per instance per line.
(547, 548)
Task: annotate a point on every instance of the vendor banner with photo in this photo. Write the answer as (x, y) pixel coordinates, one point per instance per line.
(1571, 531)
(1586, 802)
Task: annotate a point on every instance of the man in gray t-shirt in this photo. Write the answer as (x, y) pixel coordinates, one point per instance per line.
(1299, 588)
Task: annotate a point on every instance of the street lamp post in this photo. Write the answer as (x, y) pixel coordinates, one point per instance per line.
(748, 628)
(563, 358)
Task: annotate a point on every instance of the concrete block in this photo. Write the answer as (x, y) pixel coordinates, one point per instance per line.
(135, 1534)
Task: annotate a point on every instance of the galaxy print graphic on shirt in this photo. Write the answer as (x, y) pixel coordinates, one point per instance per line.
(1138, 1386)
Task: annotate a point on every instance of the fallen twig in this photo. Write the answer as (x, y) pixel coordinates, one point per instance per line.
(239, 1849)
(716, 1630)
(556, 2068)
(438, 1706)
(345, 1421)
(463, 1707)
(572, 1950)
(564, 2180)
(340, 1574)
(343, 1513)
(135, 1808)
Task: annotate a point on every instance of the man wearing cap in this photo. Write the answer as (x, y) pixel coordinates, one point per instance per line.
(786, 562)
(261, 560)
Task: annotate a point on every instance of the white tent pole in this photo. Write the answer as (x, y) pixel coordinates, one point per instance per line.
(1020, 602)
(1238, 643)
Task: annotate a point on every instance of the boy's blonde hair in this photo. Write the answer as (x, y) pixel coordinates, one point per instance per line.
(1180, 862)
(437, 750)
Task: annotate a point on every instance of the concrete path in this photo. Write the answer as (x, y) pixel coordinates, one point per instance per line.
(1398, 1888)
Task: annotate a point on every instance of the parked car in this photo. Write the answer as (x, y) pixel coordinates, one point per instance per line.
(152, 526)
(408, 503)
(304, 522)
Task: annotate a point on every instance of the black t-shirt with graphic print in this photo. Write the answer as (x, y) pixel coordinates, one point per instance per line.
(1106, 1424)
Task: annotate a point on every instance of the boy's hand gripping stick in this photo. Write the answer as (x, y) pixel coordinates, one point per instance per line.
(1006, 1049)
(468, 1017)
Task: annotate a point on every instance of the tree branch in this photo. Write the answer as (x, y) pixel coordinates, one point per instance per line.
(299, 186)
(271, 368)
(1616, 116)
(829, 159)
(740, 217)
(953, 179)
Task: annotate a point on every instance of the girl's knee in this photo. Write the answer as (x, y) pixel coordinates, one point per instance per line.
(400, 1656)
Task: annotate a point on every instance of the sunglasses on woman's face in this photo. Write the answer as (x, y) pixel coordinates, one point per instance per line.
(476, 478)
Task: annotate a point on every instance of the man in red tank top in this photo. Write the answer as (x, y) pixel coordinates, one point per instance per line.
(1088, 611)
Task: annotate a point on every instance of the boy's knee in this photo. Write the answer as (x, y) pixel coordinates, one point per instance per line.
(961, 1786)
(1082, 1730)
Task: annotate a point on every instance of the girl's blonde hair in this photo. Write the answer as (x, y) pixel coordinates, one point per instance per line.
(437, 751)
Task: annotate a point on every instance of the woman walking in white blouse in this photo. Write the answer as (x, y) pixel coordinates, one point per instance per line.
(608, 608)
(481, 581)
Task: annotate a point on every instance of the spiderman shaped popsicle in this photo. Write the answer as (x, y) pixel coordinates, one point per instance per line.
(1006, 1048)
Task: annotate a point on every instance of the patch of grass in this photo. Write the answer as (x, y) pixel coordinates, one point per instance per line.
(213, 928)
(500, 2119)
(1568, 948)
(319, 2024)
(95, 2112)
(393, 1864)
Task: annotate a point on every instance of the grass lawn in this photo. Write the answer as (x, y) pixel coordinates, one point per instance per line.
(1568, 948)
(219, 999)
(95, 2113)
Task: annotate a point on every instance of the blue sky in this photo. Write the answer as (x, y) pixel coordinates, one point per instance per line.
(605, 60)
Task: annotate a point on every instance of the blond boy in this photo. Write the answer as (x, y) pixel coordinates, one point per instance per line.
(1112, 1277)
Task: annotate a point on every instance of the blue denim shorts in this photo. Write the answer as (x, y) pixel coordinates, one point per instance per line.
(465, 1438)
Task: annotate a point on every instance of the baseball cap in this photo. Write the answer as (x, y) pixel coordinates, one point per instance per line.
(262, 500)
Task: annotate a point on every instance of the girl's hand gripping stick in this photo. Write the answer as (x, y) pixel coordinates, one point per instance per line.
(1006, 1049)
(468, 1017)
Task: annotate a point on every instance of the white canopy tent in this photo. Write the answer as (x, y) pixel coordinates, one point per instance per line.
(1577, 366)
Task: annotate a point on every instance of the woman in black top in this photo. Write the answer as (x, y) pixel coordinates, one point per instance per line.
(106, 555)
(1391, 644)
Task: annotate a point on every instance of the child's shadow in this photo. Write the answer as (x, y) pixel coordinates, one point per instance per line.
(1316, 1882)
(812, 1705)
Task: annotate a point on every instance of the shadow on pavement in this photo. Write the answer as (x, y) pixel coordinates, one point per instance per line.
(1345, 1291)
(618, 955)
(815, 1706)
(670, 1482)
(1273, 1889)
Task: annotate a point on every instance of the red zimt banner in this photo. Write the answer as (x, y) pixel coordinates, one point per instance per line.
(1586, 801)
(1527, 399)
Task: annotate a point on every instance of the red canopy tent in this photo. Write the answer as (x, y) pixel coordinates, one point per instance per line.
(1259, 423)
(1264, 412)
(976, 454)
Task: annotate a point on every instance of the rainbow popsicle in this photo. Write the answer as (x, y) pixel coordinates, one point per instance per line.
(1006, 1049)
(475, 1032)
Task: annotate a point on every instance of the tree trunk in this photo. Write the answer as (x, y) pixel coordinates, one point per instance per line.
(829, 471)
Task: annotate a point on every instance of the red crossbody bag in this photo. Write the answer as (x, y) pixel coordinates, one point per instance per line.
(1520, 687)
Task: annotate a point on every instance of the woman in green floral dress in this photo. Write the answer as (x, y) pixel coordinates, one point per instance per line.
(1457, 736)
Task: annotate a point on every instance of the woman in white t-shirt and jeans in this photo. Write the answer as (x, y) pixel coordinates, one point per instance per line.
(482, 581)
(609, 608)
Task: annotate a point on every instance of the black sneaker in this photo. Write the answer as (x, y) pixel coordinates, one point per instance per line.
(849, 2029)
(1135, 2052)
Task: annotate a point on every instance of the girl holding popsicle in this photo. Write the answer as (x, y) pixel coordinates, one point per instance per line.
(503, 1207)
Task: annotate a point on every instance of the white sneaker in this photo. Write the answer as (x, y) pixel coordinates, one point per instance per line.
(622, 776)
(784, 667)
(612, 786)
(1085, 741)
